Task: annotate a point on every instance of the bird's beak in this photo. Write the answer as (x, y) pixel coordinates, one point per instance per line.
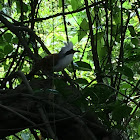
(74, 51)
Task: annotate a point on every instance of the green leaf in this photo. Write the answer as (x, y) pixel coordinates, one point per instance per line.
(84, 27)
(102, 50)
(1, 6)
(89, 92)
(8, 37)
(26, 69)
(110, 4)
(139, 130)
(126, 71)
(62, 87)
(103, 53)
(83, 66)
(1, 50)
(15, 40)
(60, 3)
(18, 6)
(1, 55)
(104, 92)
(121, 111)
(76, 4)
(125, 86)
(25, 7)
(8, 49)
(99, 35)
(81, 81)
(2, 41)
(74, 39)
(134, 41)
(114, 30)
(127, 5)
(99, 93)
(5, 66)
(117, 15)
(134, 58)
(132, 31)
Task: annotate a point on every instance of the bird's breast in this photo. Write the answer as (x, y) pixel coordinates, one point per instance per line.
(63, 62)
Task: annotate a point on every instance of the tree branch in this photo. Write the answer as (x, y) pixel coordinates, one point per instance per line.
(94, 47)
(66, 13)
(14, 29)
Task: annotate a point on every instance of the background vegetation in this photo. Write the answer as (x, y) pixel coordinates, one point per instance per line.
(103, 81)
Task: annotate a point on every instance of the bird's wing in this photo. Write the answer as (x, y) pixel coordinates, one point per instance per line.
(49, 61)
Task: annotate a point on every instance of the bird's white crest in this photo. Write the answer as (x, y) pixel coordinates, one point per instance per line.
(68, 46)
(64, 61)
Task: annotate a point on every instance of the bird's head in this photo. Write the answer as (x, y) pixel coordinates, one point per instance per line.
(65, 56)
(67, 50)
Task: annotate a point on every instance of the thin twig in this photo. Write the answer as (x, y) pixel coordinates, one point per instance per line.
(120, 93)
(84, 48)
(18, 114)
(47, 123)
(132, 115)
(23, 77)
(64, 19)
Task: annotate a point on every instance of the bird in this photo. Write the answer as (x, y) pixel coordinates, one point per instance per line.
(55, 62)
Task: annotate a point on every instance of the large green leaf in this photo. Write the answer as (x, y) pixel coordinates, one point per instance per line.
(81, 81)
(132, 30)
(84, 27)
(2, 42)
(62, 87)
(1, 6)
(134, 58)
(114, 30)
(117, 15)
(76, 4)
(111, 3)
(121, 111)
(1, 54)
(126, 71)
(83, 66)
(99, 93)
(18, 6)
(89, 92)
(134, 41)
(139, 130)
(127, 4)
(25, 7)
(15, 40)
(60, 3)
(8, 49)
(8, 37)
(102, 50)
(99, 35)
